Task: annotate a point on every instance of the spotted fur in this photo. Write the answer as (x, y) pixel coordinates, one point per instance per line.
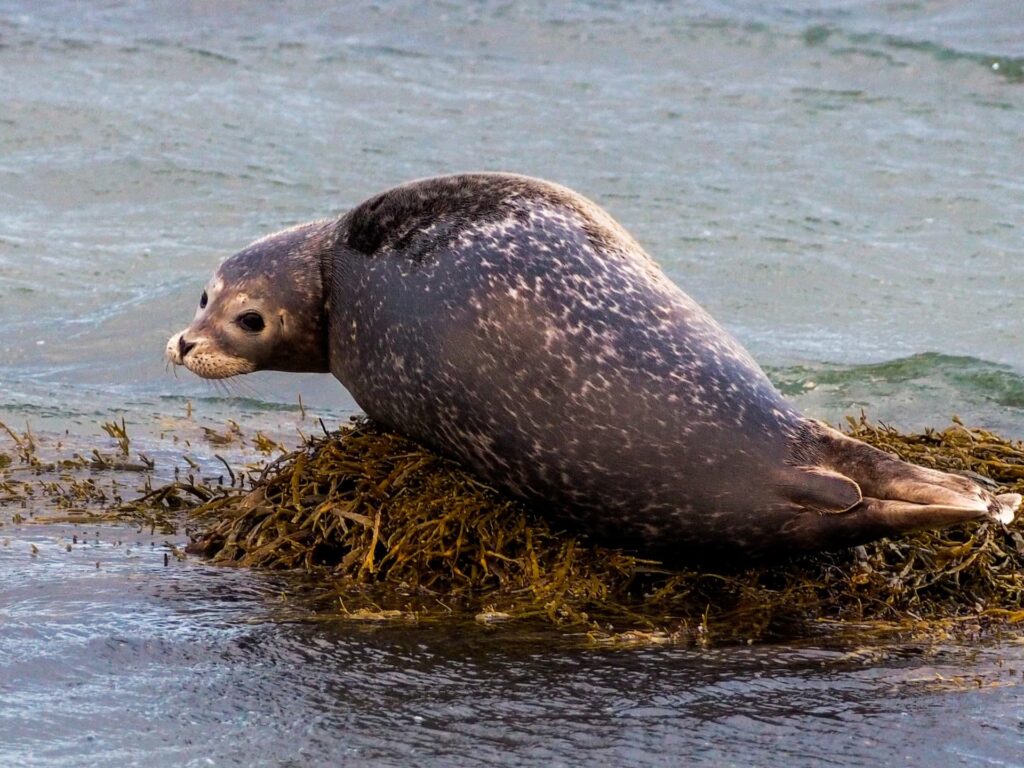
(514, 325)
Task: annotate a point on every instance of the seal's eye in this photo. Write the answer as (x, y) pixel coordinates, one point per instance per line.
(251, 321)
(202, 300)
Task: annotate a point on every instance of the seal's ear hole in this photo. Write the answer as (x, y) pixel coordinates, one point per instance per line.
(203, 300)
(251, 321)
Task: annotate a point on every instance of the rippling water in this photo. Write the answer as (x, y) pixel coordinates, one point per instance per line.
(839, 182)
(134, 662)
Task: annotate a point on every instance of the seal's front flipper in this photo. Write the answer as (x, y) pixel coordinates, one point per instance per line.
(822, 490)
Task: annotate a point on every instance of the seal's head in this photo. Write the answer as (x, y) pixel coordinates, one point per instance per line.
(264, 309)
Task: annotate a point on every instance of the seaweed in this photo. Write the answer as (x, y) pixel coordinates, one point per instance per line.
(386, 529)
(379, 528)
(90, 488)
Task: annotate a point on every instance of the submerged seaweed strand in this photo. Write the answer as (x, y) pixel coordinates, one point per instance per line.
(43, 486)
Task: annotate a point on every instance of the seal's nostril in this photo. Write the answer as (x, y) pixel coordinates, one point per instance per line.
(184, 347)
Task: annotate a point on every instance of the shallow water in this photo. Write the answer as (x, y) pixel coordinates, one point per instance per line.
(132, 661)
(839, 182)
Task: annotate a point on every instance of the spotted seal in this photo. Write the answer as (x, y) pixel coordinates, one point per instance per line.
(513, 325)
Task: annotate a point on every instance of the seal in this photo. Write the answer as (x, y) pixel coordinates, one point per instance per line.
(515, 326)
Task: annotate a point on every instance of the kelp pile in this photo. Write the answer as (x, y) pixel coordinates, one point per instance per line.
(385, 528)
(377, 527)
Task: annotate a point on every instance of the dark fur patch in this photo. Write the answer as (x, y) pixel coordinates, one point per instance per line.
(398, 220)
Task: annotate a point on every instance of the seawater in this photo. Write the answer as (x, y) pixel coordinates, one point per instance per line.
(838, 182)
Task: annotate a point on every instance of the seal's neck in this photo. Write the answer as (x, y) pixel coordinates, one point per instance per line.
(293, 268)
(310, 270)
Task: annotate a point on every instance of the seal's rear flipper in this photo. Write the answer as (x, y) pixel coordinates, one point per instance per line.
(875, 518)
(883, 477)
(1008, 504)
(896, 517)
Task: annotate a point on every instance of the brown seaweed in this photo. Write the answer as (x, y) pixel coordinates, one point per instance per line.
(377, 520)
(381, 529)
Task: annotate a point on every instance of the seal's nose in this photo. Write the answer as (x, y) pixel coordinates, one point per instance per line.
(184, 347)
